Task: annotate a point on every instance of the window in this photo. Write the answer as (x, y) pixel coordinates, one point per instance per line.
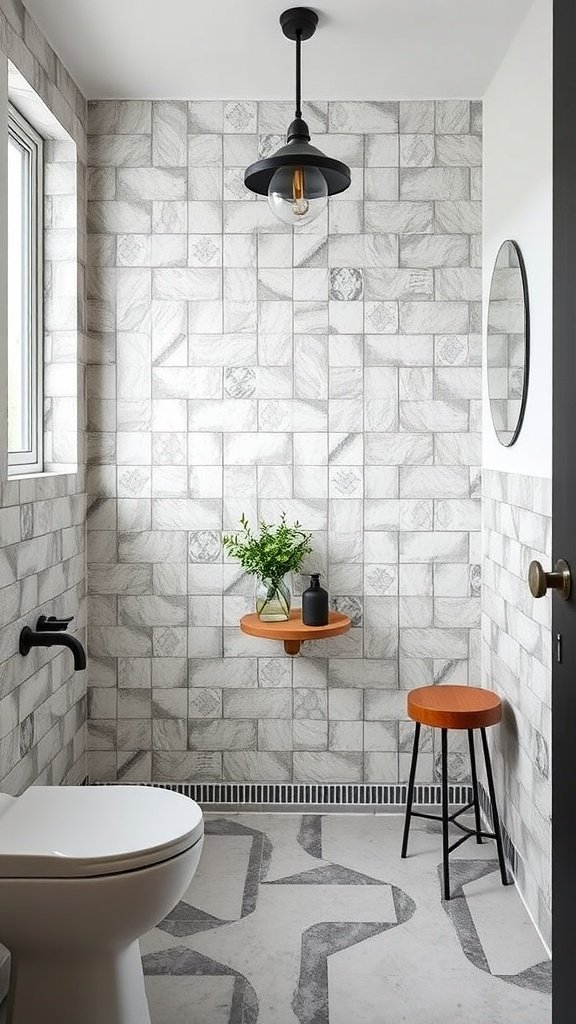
(25, 258)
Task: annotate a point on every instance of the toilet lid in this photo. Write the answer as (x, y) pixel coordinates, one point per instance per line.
(78, 831)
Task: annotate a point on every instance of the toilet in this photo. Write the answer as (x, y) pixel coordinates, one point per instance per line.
(84, 872)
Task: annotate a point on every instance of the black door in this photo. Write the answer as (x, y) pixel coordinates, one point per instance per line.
(564, 515)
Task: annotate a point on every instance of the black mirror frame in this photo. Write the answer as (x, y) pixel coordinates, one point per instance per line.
(526, 375)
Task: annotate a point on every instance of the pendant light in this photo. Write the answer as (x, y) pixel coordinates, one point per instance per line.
(298, 178)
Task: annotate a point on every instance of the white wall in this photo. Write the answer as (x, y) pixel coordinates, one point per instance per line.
(516, 491)
(518, 205)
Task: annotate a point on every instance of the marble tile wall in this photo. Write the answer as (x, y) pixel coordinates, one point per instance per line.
(332, 373)
(516, 657)
(42, 519)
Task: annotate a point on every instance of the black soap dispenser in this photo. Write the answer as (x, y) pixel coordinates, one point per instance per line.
(315, 603)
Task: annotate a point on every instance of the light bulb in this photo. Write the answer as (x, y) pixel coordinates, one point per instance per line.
(297, 195)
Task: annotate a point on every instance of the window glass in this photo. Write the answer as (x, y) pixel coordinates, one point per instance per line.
(24, 294)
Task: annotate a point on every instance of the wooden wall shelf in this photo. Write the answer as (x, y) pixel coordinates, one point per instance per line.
(293, 632)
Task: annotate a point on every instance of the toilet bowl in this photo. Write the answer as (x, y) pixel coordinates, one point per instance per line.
(84, 872)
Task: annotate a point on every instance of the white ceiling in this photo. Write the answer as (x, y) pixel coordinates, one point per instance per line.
(235, 48)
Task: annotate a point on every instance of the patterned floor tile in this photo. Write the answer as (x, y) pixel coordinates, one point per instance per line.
(315, 919)
(494, 913)
(190, 1000)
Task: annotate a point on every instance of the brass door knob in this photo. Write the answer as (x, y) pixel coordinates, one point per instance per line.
(560, 580)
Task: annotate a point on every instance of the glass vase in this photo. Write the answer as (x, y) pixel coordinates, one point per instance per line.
(273, 600)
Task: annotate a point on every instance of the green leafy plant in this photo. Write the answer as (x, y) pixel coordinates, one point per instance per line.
(277, 551)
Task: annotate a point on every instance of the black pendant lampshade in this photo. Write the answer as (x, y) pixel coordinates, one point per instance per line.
(298, 178)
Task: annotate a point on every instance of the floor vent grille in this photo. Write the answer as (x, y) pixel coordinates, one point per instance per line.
(239, 794)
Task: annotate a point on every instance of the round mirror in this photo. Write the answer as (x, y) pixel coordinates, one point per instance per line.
(507, 342)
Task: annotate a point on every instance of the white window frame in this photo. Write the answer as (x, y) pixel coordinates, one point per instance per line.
(21, 130)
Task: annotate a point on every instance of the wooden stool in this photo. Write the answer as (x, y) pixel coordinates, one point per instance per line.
(455, 707)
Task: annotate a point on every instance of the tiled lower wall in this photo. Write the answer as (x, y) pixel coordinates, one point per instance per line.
(42, 571)
(517, 650)
(333, 373)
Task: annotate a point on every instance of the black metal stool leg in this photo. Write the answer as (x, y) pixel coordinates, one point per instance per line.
(410, 796)
(445, 815)
(495, 818)
(475, 786)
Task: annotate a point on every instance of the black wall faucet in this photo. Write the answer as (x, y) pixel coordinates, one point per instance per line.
(51, 633)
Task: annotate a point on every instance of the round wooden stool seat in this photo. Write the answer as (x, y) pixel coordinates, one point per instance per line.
(454, 707)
